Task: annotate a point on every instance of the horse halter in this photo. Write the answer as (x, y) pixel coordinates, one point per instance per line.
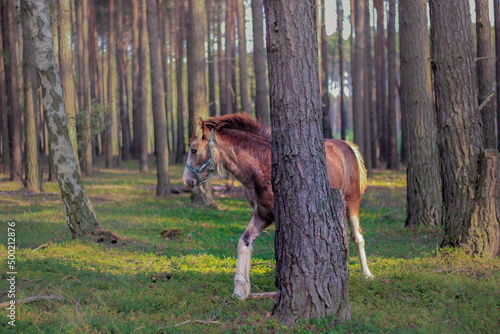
(209, 161)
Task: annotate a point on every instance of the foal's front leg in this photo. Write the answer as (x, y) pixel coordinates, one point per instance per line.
(245, 246)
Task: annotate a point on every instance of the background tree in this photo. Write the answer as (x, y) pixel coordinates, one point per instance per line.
(221, 60)
(136, 85)
(230, 66)
(380, 79)
(343, 111)
(211, 62)
(485, 72)
(325, 94)
(392, 145)
(160, 117)
(122, 84)
(110, 102)
(424, 201)
(496, 6)
(310, 284)
(179, 56)
(368, 95)
(259, 63)
(86, 165)
(242, 57)
(358, 75)
(143, 86)
(32, 177)
(470, 220)
(3, 102)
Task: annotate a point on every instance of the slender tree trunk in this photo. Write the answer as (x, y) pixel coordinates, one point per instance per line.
(368, 118)
(80, 215)
(496, 6)
(211, 65)
(343, 111)
(424, 199)
(358, 75)
(179, 58)
(392, 152)
(3, 101)
(164, 64)
(122, 84)
(171, 43)
(32, 180)
(485, 72)
(160, 117)
(380, 79)
(9, 28)
(242, 57)
(470, 220)
(325, 94)
(66, 68)
(143, 132)
(309, 216)
(87, 167)
(221, 61)
(96, 85)
(259, 61)
(136, 86)
(231, 105)
(110, 101)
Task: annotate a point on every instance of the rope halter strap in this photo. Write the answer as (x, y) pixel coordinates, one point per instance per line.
(209, 161)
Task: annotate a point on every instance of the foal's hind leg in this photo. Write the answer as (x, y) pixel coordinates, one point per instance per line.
(357, 237)
(245, 246)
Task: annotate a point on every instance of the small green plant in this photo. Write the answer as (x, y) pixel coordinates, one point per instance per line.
(90, 126)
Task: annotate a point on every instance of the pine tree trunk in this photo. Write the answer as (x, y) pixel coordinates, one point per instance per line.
(392, 149)
(136, 85)
(342, 109)
(325, 94)
(231, 105)
(380, 79)
(164, 65)
(87, 167)
(309, 215)
(424, 203)
(242, 57)
(143, 86)
(358, 75)
(496, 6)
(485, 72)
(9, 28)
(110, 101)
(80, 215)
(160, 117)
(221, 61)
(211, 65)
(122, 84)
(32, 180)
(179, 61)
(368, 96)
(3, 102)
(259, 61)
(470, 220)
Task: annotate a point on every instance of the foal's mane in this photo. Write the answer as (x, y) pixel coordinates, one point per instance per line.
(242, 122)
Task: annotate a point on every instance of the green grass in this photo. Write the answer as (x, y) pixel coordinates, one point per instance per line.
(120, 288)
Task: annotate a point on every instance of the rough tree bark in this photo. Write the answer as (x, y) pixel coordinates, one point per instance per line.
(485, 72)
(259, 63)
(179, 58)
(358, 75)
(80, 215)
(470, 220)
(66, 69)
(242, 57)
(32, 179)
(160, 117)
(496, 6)
(424, 199)
(392, 145)
(311, 234)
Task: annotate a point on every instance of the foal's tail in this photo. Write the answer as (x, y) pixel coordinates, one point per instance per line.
(362, 168)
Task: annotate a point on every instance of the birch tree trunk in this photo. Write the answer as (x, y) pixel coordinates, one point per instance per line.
(311, 235)
(80, 214)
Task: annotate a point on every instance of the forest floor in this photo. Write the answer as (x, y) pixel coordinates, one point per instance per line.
(173, 270)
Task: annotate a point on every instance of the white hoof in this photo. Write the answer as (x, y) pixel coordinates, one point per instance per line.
(241, 290)
(368, 275)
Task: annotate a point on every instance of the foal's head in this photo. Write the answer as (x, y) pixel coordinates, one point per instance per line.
(200, 161)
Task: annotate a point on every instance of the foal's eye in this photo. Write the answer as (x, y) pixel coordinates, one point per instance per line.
(193, 151)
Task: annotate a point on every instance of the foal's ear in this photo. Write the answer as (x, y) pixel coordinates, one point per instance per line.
(205, 132)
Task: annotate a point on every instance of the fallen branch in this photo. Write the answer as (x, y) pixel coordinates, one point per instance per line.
(31, 300)
(34, 250)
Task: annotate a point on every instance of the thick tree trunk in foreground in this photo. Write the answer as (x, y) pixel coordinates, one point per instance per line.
(160, 117)
(311, 234)
(80, 214)
(179, 63)
(485, 72)
(424, 198)
(66, 69)
(259, 63)
(392, 145)
(496, 6)
(32, 179)
(470, 220)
